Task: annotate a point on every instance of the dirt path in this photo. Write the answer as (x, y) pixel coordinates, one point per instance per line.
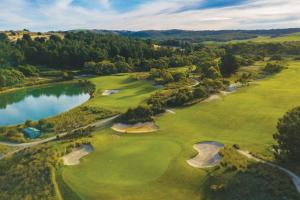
(208, 155)
(21, 146)
(294, 177)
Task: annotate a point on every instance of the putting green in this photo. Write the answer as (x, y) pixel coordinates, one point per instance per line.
(149, 166)
(132, 92)
(122, 162)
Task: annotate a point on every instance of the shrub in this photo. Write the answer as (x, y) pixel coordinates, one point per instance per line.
(272, 68)
(28, 123)
(10, 77)
(276, 57)
(28, 70)
(67, 76)
(200, 92)
(136, 115)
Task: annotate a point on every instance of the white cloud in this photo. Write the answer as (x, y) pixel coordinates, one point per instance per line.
(157, 14)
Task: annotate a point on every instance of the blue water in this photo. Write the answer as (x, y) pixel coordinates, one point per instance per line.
(35, 104)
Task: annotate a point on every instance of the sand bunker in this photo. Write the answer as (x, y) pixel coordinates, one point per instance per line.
(213, 98)
(171, 111)
(147, 127)
(110, 92)
(74, 157)
(208, 155)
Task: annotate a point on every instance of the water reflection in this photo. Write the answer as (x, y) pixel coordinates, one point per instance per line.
(34, 104)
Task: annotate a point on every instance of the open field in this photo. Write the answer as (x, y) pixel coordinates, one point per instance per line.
(154, 165)
(260, 39)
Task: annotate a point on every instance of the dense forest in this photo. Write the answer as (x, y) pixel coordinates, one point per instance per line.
(99, 54)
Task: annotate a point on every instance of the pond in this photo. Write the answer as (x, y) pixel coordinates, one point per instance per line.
(38, 103)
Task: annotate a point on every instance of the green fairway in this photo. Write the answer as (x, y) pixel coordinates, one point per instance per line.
(294, 37)
(284, 38)
(149, 166)
(131, 94)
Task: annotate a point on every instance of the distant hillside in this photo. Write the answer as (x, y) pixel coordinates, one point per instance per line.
(221, 36)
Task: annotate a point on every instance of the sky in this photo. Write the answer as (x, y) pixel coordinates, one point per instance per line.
(53, 15)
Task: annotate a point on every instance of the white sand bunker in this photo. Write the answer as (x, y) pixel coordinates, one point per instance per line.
(110, 92)
(74, 157)
(147, 127)
(208, 155)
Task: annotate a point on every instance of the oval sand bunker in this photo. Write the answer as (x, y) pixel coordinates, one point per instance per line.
(110, 92)
(208, 155)
(147, 127)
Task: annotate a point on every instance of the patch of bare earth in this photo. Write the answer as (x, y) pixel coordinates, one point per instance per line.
(208, 155)
(214, 97)
(74, 157)
(146, 127)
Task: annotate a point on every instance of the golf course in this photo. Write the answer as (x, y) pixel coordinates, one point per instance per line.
(143, 166)
(143, 115)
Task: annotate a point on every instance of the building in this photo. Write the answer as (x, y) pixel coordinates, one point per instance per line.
(31, 132)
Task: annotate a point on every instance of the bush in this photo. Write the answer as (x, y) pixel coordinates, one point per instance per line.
(67, 76)
(136, 115)
(200, 92)
(272, 68)
(297, 58)
(276, 57)
(10, 77)
(180, 97)
(28, 70)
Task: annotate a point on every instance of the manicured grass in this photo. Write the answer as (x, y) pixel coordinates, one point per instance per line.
(121, 162)
(132, 92)
(153, 165)
(284, 38)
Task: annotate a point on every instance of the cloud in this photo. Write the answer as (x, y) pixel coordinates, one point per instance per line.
(45, 15)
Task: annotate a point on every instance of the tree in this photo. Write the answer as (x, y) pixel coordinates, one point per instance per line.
(288, 137)
(123, 66)
(29, 70)
(135, 115)
(28, 123)
(10, 77)
(3, 36)
(229, 64)
(213, 73)
(26, 37)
